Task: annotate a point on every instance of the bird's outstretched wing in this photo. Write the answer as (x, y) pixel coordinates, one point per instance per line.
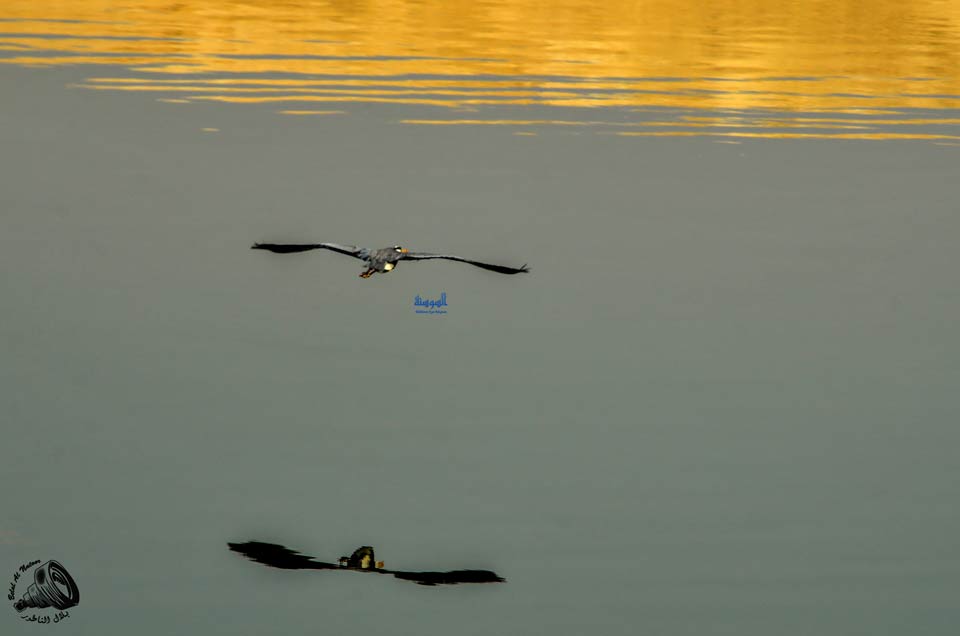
(277, 556)
(290, 248)
(448, 578)
(502, 269)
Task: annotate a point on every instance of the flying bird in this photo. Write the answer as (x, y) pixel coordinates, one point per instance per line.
(362, 560)
(383, 260)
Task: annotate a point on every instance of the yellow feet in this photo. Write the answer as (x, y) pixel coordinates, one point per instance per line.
(368, 273)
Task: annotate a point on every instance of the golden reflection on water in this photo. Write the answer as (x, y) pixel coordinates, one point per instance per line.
(886, 69)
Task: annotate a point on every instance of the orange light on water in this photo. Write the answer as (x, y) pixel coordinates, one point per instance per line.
(842, 56)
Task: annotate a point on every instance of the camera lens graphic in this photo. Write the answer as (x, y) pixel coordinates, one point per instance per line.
(52, 587)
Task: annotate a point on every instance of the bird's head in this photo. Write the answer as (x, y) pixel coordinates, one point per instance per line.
(400, 250)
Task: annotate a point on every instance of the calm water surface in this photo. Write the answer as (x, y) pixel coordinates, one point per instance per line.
(877, 70)
(723, 401)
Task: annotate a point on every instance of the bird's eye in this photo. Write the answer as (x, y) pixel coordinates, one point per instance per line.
(398, 248)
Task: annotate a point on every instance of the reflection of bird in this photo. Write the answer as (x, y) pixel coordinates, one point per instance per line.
(382, 260)
(362, 560)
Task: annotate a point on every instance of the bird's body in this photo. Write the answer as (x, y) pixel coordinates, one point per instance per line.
(382, 260)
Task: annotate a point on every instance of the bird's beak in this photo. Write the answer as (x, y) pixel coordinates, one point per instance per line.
(404, 250)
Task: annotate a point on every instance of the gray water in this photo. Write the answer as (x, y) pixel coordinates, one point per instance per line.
(724, 401)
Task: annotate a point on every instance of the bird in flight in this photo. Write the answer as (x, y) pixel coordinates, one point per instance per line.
(362, 560)
(383, 260)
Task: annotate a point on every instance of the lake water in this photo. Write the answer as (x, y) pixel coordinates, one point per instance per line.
(724, 400)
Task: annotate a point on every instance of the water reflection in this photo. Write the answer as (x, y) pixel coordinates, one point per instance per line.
(767, 65)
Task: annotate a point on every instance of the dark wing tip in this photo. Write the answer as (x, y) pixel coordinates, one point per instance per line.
(277, 556)
(523, 269)
(502, 269)
(286, 248)
(270, 247)
(450, 578)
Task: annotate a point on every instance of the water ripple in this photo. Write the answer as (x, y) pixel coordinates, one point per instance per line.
(645, 67)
